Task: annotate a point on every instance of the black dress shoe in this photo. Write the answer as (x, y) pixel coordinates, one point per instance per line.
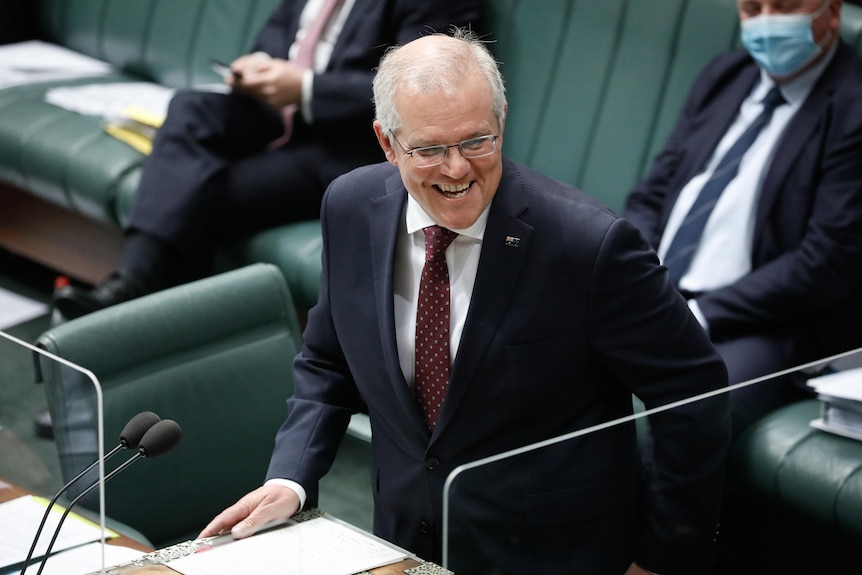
(73, 302)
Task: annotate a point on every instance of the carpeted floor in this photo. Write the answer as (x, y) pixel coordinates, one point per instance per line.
(30, 461)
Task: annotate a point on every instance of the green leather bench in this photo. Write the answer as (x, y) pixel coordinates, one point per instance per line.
(788, 464)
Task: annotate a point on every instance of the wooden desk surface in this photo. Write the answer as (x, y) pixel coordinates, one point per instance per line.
(9, 492)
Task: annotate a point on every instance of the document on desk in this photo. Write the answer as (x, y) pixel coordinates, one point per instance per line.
(19, 520)
(320, 546)
(36, 61)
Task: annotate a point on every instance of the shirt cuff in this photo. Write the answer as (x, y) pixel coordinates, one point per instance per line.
(695, 310)
(294, 486)
(307, 89)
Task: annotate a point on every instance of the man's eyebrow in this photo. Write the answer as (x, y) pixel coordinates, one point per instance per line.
(474, 135)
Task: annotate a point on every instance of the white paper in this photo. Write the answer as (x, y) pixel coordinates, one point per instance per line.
(37, 61)
(822, 425)
(15, 309)
(321, 546)
(108, 100)
(85, 559)
(19, 521)
(845, 384)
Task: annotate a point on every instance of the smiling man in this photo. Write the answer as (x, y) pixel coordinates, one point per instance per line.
(474, 306)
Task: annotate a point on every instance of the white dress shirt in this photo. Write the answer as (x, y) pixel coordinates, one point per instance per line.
(462, 259)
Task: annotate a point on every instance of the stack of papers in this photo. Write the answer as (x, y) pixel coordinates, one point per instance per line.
(840, 395)
(131, 111)
(36, 61)
(19, 522)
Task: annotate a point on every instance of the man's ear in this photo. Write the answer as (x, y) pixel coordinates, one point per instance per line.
(385, 143)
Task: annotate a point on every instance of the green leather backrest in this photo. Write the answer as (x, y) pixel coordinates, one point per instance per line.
(595, 87)
(167, 41)
(214, 355)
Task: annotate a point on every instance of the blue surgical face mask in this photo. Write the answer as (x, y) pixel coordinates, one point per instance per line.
(782, 44)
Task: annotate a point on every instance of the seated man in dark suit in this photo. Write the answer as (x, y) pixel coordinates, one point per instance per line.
(764, 237)
(222, 166)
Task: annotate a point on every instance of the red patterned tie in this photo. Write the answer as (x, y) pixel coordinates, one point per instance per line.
(432, 325)
(305, 60)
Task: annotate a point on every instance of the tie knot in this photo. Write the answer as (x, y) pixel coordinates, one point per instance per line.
(437, 239)
(773, 99)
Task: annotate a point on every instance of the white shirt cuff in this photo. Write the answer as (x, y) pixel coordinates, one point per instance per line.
(296, 487)
(307, 89)
(695, 310)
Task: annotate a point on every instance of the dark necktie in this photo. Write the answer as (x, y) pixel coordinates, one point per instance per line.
(432, 325)
(684, 245)
(305, 60)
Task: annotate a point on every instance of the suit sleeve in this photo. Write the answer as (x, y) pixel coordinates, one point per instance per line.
(324, 398)
(645, 335)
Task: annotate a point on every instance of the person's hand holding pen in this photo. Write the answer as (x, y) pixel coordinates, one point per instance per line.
(274, 81)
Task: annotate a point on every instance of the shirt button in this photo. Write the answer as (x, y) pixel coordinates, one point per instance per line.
(424, 527)
(432, 463)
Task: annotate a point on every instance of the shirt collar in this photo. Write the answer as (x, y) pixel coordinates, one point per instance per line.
(416, 219)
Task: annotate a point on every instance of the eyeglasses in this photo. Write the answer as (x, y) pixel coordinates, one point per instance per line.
(430, 156)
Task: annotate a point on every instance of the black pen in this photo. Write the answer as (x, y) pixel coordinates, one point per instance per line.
(223, 69)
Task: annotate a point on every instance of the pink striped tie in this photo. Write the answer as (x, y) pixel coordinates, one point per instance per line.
(305, 60)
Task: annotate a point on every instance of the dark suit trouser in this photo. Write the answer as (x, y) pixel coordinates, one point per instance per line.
(755, 356)
(210, 173)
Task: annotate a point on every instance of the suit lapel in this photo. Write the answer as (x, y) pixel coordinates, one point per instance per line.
(803, 126)
(505, 247)
(387, 213)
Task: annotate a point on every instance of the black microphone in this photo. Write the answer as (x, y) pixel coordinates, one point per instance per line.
(157, 440)
(130, 437)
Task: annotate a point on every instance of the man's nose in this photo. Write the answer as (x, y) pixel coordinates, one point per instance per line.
(455, 165)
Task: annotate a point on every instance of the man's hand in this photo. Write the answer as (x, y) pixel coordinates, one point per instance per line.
(274, 81)
(261, 506)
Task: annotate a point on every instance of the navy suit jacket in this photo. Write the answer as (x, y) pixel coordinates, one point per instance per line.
(806, 275)
(570, 315)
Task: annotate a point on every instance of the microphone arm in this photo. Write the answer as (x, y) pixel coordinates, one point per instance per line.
(158, 439)
(130, 437)
(121, 467)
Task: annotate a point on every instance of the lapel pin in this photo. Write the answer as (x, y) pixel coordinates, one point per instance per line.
(513, 242)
